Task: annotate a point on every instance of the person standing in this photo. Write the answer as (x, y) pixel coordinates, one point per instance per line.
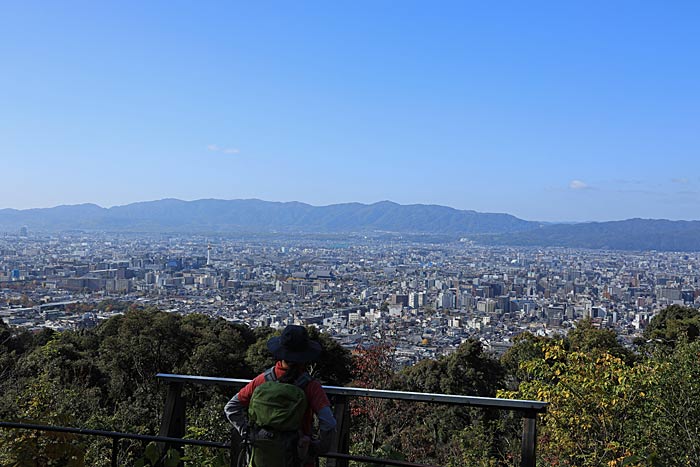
(275, 410)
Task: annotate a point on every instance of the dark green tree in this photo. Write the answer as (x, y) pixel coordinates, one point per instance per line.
(219, 347)
(526, 346)
(673, 324)
(334, 366)
(470, 371)
(258, 358)
(669, 431)
(588, 339)
(426, 432)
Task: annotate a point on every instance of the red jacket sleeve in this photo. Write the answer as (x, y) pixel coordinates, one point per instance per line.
(316, 396)
(246, 392)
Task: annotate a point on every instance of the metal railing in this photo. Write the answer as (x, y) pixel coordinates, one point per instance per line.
(173, 423)
(116, 436)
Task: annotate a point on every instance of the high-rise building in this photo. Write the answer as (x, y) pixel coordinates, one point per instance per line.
(399, 299)
(486, 306)
(446, 299)
(413, 300)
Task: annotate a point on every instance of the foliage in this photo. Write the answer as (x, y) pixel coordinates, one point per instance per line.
(608, 407)
(526, 346)
(105, 379)
(373, 367)
(426, 432)
(258, 358)
(153, 456)
(596, 401)
(46, 401)
(588, 339)
(604, 411)
(673, 324)
(334, 366)
(385, 451)
(671, 427)
(471, 371)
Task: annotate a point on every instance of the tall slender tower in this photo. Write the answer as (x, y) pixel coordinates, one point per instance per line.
(209, 254)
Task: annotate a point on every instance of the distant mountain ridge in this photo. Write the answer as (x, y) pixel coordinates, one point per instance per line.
(252, 215)
(211, 216)
(631, 234)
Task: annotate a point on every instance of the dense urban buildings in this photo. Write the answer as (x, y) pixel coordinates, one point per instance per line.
(423, 297)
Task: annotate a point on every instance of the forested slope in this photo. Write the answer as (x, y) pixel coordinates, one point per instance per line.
(609, 405)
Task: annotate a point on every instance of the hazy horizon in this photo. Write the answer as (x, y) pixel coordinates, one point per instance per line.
(564, 221)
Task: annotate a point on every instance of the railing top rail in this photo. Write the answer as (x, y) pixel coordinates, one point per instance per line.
(488, 402)
(112, 434)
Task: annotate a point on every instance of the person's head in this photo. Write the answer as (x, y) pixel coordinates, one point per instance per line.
(294, 347)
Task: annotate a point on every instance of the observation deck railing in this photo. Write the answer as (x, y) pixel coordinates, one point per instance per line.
(173, 423)
(115, 436)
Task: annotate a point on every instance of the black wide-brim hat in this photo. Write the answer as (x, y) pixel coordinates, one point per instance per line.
(294, 345)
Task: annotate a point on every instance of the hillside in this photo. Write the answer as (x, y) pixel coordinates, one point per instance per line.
(104, 379)
(631, 234)
(261, 217)
(211, 215)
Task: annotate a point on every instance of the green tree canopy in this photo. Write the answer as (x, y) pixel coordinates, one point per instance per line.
(673, 324)
(595, 404)
(588, 339)
(105, 378)
(526, 346)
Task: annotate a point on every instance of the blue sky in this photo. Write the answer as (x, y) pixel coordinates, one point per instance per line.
(553, 111)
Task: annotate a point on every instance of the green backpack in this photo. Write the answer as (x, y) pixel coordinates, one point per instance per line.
(275, 412)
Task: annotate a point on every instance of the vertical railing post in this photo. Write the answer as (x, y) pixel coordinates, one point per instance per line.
(341, 439)
(529, 442)
(115, 451)
(173, 423)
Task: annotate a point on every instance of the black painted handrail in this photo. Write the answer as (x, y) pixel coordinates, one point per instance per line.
(486, 402)
(117, 435)
(173, 417)
(114, 435)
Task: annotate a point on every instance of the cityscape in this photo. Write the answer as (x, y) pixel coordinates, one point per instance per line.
(423, 298)
(486, 214)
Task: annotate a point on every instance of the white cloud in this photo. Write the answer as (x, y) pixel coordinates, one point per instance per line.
(217, 148)
(578, 185)
(680, 180)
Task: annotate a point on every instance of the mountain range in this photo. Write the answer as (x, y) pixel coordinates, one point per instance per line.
(631, 234)
(256, 216)
(252, 215)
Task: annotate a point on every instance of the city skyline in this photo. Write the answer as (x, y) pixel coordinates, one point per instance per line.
(545, 111)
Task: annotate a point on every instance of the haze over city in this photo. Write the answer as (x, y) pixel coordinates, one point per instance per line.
(544, 110)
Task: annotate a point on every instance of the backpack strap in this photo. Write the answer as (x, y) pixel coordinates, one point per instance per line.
(270, 374)
(303, 380)
(300, 382)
